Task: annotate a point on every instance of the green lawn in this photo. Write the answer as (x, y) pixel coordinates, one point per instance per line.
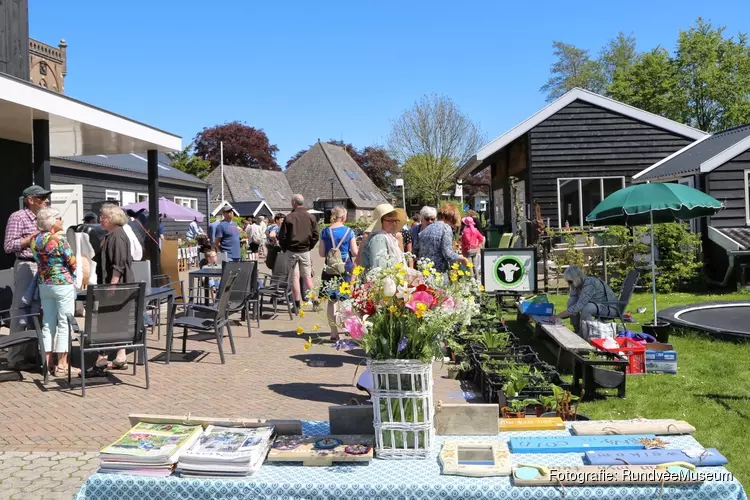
(711, 390)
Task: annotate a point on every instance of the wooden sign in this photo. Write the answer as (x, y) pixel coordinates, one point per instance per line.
(532, 424)
(670, 474)
(280, 427)
(573, 444)
(709, 457)
(475, 458)
(624, 427)
(321, 450)
(466, 419)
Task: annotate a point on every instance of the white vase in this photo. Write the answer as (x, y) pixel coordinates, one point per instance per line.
(402, 408)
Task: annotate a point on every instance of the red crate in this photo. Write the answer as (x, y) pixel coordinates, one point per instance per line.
(635, 352)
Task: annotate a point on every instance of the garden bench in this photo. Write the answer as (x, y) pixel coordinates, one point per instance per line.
(565, 339)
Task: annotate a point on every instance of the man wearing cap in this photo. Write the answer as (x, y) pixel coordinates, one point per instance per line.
(19, 232)
(227, 236)
(297, 236)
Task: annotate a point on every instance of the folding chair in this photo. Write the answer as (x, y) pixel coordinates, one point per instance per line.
(628, 287)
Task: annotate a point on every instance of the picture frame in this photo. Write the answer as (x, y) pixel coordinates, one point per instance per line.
(509, 271)
(475, 458)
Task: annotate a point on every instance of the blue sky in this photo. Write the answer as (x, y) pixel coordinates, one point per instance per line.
(335, 69)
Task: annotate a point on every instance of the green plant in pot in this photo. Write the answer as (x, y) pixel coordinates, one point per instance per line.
(457, 371)
(566, 404)
(515, 383)
(495, 341)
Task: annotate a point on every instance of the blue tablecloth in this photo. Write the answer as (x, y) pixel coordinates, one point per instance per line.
(394, 479)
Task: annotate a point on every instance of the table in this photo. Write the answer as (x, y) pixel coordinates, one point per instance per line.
(198, 274)
(394, 479)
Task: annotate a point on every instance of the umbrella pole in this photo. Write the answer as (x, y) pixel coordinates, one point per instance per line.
(653, 264)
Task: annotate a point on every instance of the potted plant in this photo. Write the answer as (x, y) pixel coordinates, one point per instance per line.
(457, 371)
(516, 408)
(563, 404)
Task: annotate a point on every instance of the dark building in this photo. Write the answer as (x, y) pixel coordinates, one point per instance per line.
(718, 165)
(573, 153)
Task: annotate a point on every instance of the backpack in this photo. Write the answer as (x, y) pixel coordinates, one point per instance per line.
(334, 264)
(255, 235)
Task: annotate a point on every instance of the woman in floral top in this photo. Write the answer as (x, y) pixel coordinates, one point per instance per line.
(56, 289)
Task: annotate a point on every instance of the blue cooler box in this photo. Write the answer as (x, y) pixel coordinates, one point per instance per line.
(661, 361)
(537, 308)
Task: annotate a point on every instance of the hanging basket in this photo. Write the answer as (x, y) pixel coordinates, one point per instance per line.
(402, 408)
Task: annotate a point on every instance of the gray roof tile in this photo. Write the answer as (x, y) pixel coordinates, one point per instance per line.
(689, 159)
(134, 163)
(243, 184)
(739, 234)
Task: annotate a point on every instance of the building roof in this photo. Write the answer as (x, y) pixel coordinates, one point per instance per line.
(75, 128)
(252, 184)
(566, 99)
(136, 163)
(701, 156)
(328, 172)
(251, 208)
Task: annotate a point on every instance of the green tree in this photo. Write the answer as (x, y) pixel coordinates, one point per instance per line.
(617, 57)
(432, 138)
(186, 161)
(573, 68)
(714, 74)
(651, 84)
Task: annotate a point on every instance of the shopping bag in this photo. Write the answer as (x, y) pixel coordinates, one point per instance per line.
(593, 329)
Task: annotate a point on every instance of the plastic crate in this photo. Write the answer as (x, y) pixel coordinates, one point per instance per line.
(635, 352)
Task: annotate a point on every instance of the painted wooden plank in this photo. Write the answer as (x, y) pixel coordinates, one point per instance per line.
(658, 427)
(564, 337)
(466, 419)
(573, 444)
(709, 457)
(610, 476)
(531, 424)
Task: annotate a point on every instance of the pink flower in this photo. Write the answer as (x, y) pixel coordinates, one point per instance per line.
(354, 327)
(421, 298)
(449, 305)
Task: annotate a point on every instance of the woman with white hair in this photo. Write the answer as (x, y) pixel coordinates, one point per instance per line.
(56, 286)
(589, 296)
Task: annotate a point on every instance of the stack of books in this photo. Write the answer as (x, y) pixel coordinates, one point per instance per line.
(226, 451)
(149, 449)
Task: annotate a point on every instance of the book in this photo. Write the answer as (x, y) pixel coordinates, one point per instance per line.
(149, 445)
(226, 451)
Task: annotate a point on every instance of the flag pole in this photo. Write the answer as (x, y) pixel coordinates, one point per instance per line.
(221, 162)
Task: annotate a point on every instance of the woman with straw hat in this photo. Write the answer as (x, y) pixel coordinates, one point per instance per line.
(381, 248)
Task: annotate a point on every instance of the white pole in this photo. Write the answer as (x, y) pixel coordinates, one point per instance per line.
(403, 195)
(221, 162)
(653, 264)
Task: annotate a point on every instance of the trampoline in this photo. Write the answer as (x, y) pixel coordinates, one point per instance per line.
(725, 319)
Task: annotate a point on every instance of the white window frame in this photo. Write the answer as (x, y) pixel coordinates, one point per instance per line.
(141, 197)
(580, 199)
(747, 197)
(192, 201)
(125, 195)
(112, 195)
(690, 182)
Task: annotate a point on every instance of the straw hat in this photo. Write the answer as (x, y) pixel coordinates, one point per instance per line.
(383, 210)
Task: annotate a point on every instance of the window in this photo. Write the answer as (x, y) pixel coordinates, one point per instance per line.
(128, 197)
(747, 197)
(111, 195)
(141, 197)
(690, 182)
(577, 197)
(258, 193)
(187, 202)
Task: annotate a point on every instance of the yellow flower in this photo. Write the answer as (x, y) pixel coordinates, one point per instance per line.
(308, 344)
(470, 265)
(401, 274)
(393, 309)
(455, 266)
(301, 313)
(426, 273)
(345, 289)
(438, 276)
(453, 276)
(421, 309)
(403, 283)
(399, 265)
(460, 272)
(316, 327)
(481, 288)
(431, 264)
(358, 270)
(300, 330)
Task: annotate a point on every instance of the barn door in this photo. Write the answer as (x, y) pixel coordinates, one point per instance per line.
(68, 199)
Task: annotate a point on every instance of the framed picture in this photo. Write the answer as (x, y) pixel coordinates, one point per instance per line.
(509, 271)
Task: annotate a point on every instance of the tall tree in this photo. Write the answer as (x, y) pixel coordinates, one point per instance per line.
(432, 139)
(473, 182)
(651, 84)
(618, 56)
(573, 68)
(714, 74)
(376, 162)
(186, 161)
(244, 146)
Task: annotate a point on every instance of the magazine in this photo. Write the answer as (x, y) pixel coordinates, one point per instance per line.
(154, 444)
(227, 451)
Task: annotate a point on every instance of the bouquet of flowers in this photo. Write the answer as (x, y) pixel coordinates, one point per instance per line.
(399, 312)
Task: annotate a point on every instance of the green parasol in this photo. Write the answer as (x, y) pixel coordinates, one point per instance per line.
(652, 203)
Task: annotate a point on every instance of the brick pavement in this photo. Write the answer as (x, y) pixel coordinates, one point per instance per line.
(53, 433)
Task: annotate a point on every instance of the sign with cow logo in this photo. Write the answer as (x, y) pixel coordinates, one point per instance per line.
(510, 271)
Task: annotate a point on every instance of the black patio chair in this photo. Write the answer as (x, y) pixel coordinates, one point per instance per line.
(628, 287)
(180, 300)
(114, 320)
(30, 334)
(210, 318)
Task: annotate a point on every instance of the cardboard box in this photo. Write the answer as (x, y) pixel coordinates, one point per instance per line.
(661, 361)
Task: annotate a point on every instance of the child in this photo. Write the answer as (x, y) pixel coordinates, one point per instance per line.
(213, 283)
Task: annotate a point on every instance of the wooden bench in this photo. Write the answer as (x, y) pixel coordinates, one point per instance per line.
(565, 339)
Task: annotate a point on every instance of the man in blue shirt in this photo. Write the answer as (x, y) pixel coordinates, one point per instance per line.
(227, 236)
(212, 229)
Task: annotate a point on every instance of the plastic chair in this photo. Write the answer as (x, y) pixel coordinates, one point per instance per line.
(26, 336)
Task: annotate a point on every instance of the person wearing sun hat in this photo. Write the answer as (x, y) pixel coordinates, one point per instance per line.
(381, 249)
